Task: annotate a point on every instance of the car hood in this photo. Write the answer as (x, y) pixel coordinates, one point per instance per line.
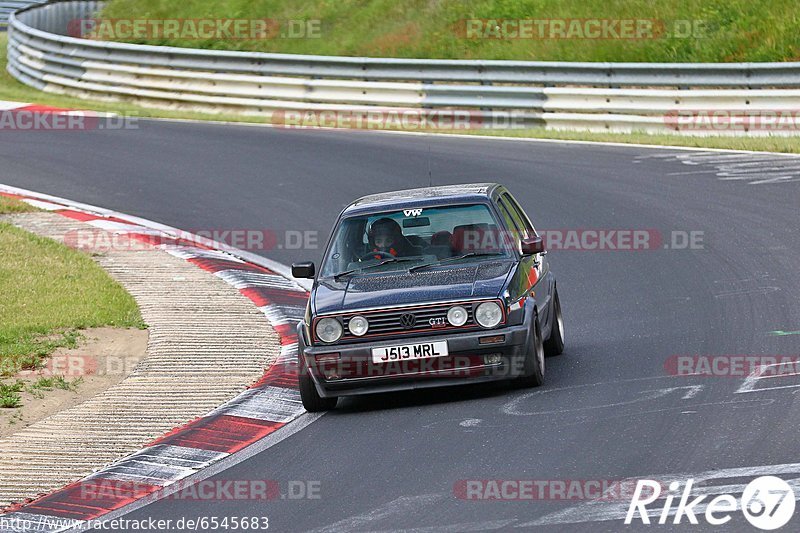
(485, 280)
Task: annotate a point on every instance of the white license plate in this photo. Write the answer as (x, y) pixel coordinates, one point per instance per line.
(405, 352)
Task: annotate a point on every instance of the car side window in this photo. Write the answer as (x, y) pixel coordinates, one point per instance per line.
(519, 215)
(519, 224)
(511, 224)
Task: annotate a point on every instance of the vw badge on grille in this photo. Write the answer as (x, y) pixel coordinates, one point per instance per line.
(408, 321)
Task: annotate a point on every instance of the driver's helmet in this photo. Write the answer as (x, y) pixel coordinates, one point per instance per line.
(385, 236)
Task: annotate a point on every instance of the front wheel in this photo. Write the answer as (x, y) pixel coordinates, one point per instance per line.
(533, 375)
(312, 401)
(555, 344)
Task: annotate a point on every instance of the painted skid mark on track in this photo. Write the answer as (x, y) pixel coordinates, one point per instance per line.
(772, 380)
(754, 169)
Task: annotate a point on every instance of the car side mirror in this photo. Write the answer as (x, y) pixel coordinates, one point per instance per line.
(305, 270)
(532, 245)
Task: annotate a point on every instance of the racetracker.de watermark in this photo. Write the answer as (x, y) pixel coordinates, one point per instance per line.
(734, 120)
(77, 365)
(107, 29)
(732, 366)
(330, 366)
(99, 489)
(401, 119)
(629, 29)
(23, 119)
(588, 239)
(93, 240)
(621, 239)
(544, 489)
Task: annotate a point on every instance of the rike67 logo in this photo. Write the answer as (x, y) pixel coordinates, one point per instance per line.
(767, 503)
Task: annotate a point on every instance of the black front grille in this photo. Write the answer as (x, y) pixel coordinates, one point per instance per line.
(388, 322)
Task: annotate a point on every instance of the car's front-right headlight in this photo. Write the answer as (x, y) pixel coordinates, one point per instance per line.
(488, 314)
(457, 316)
(329, 330)
(358, 326)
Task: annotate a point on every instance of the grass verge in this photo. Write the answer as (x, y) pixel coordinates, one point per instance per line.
(789, 145)
(680, 30)
(10, 206)
(49, 293)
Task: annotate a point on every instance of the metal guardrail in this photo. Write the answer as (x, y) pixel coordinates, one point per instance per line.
(9, 6)
(595, 96)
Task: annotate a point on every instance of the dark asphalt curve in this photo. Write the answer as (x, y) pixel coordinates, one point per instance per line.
(609, 409)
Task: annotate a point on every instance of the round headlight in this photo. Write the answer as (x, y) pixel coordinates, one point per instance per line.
(329, 330)
(457, 316)
(488, 314)
(358, 326)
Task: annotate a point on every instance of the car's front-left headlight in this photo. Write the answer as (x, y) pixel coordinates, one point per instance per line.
(329, 330)
(488, 314)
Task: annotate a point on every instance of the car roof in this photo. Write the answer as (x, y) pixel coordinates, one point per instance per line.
(422, 197)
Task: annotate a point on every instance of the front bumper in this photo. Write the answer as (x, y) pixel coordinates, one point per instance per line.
(354, 372)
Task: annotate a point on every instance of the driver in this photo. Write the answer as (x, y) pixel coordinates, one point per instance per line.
(385, 236)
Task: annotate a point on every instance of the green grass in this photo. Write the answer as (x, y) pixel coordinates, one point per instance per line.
(10, 206)
(43, 384)
(49, 293)
(55, 382)
(9, 395)
(732, 30)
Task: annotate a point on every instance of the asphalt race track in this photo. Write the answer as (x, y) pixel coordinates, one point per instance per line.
(609, 411)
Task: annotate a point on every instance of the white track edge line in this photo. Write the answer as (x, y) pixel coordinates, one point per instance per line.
(460, 135)
(468, 136)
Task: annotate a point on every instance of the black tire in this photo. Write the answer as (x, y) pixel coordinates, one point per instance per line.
(533, 375)
(554, 345)
(312, 401)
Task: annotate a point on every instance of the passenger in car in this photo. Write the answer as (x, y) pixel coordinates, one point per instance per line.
(440, 244)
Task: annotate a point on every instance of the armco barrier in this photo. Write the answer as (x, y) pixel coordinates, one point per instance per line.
(593, 96)
(8, 7)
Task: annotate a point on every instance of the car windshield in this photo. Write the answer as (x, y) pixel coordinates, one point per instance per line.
(399, 240)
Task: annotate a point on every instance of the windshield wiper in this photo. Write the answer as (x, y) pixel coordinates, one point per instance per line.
(455, 258)
(340, 275)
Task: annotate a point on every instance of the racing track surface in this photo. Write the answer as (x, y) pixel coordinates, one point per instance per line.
(609, 409)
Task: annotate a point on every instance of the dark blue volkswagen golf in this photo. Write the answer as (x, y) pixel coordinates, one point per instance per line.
(428, 287)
